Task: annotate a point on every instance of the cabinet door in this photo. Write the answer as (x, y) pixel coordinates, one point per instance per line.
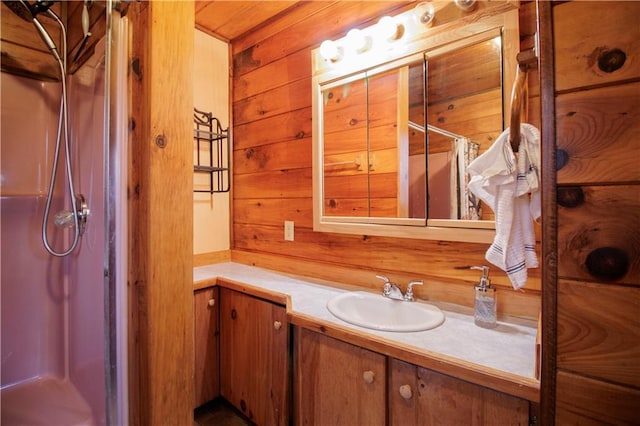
(418, 396)
(337, 383)
(254, 357)
(206, 379)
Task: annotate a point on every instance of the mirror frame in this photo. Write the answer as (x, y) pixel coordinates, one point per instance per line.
(430, 41)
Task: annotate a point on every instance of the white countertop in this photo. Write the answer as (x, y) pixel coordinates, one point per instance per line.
(510, 347)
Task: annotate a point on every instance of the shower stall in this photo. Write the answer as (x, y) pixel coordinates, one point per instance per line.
(63, 329)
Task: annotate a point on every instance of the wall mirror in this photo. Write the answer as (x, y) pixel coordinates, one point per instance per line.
(394, 131)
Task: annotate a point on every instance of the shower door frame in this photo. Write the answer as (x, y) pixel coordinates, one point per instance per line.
(116, 221)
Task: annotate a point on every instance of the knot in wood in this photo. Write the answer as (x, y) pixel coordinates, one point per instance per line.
(570, 197)
(562, 158)
(608, 263)
(611, 60)
(161, 141)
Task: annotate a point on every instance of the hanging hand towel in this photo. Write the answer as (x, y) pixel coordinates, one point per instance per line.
(512, 191)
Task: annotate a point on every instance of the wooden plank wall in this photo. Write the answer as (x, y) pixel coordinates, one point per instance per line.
(273, 177)
(597, 80)
(24, 52)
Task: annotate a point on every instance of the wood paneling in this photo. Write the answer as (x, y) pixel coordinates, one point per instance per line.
(161, 214)
(597, 43)
(584, 401)
(280, 100)
(290, 154)
(586, 229)
(595, 350)
(594, 342)
(230, 19)
(513, 303)
(272, 127)
(23, 51)
(598, 128)
(281, 72)
(75, 33)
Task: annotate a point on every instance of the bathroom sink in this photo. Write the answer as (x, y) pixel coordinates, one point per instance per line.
(381, 313)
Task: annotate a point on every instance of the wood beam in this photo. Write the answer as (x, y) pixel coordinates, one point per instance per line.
(161, 213)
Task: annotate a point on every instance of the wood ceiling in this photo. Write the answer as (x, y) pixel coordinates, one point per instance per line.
(229, 19)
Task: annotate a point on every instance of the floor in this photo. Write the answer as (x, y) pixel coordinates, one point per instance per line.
(219, 413)
(44, 401)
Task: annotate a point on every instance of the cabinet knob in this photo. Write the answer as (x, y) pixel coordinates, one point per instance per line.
(368, 376)
(277, 325)
(406, 392)
(212, 302)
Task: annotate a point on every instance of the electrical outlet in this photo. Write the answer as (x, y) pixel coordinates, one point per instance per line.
(288, 230)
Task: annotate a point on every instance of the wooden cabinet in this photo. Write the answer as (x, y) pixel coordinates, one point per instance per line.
(337, 383)
(418, 396)
(254, 357)
(206, 378)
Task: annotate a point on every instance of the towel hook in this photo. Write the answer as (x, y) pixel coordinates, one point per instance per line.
(526, 59)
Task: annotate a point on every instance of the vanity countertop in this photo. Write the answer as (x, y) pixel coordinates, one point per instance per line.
(505, 353)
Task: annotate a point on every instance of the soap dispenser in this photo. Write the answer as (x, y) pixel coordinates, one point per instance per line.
(485, 300)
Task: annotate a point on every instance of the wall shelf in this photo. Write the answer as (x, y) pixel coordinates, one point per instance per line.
(212, 153)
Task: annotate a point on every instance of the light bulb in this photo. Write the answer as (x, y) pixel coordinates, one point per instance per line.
(424, 13)
(330, 50)
(465, 5)
(388, 28)
(357, 41)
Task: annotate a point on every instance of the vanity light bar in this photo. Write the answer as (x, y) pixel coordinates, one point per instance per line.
(382, 36)
(387, 30)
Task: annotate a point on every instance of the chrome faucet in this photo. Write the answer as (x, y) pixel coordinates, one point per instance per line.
(408, 296)
(392, 291)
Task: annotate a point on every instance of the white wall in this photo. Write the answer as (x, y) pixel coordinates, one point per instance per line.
(211, 93)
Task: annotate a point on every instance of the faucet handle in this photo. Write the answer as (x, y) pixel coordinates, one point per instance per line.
(408, 296)
(386, 290)
(383, 278)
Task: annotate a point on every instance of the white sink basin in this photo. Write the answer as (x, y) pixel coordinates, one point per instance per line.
(381, 313)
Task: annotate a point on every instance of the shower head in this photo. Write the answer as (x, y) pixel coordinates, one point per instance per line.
(28, 12)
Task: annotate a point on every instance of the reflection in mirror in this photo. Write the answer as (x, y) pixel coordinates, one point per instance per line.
(464, 99)
(378, 160)
(367, 171)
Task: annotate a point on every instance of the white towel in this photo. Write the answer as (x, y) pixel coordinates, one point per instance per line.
(512, 192)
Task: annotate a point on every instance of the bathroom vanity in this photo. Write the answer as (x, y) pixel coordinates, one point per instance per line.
(282, 354)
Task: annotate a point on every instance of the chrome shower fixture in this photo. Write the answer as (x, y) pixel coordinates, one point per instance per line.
(66, 218)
